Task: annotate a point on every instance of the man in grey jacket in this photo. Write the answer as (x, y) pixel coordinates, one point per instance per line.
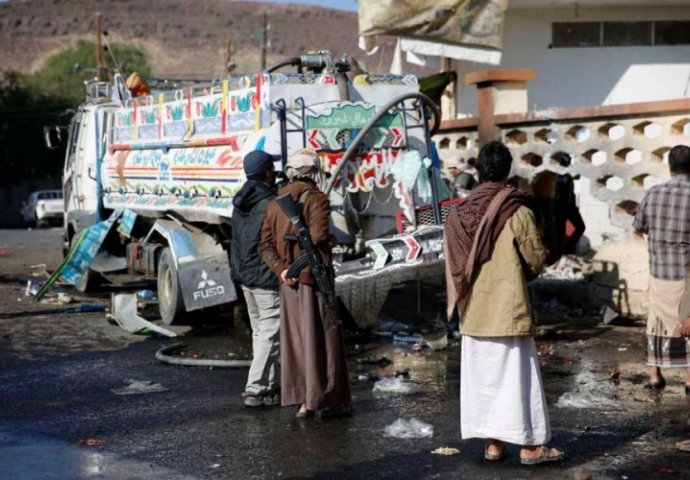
(259, 283)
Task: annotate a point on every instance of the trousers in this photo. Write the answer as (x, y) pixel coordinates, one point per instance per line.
(263, 306)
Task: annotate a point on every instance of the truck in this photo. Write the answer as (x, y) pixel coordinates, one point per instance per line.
(163, 168)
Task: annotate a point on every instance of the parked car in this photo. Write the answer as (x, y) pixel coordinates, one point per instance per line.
(42, 208)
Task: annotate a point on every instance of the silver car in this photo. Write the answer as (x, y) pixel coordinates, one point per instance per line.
(42, 208)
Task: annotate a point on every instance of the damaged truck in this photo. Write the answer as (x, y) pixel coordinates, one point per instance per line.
(149, 179)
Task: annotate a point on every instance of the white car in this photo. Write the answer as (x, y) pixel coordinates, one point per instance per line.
(43, 207)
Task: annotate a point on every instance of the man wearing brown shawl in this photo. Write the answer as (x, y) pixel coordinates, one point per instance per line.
(312, 354)
(492, 246)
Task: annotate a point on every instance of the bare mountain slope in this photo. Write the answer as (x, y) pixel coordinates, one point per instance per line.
(182, 37)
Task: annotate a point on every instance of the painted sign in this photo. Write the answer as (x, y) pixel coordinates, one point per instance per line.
(337, 127)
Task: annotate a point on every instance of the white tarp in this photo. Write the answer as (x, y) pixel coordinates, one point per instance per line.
(424, 50)
(463, 29)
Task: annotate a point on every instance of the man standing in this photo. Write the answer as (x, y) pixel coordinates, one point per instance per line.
(312, 356)
(259, 284)
(664, 215)
(459, 173)
(492, 247)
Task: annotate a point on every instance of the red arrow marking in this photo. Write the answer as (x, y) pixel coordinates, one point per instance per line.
(312, 139)
(415, 249)
(397, 139)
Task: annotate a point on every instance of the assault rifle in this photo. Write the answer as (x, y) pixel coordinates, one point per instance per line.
(310, 257)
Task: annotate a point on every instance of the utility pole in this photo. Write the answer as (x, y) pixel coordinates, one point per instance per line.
(264, 42)
(229, 64)
(100, 65)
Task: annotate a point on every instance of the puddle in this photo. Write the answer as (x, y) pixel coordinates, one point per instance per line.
(23, 456)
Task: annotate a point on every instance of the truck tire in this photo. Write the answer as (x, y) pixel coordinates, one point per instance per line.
(170, 301)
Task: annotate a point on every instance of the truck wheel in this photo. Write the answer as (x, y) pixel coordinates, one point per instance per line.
(170, 302)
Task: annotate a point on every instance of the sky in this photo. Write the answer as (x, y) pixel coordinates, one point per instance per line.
(349, 5)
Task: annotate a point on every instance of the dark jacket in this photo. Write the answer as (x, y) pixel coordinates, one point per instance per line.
(316, 210)
(247, 217)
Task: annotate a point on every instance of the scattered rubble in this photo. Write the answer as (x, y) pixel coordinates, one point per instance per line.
(569, 267)
(395, 385)
(412, 428)
(445, 451)
(139, 387)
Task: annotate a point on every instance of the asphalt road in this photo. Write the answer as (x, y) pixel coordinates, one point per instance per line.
(57, 371)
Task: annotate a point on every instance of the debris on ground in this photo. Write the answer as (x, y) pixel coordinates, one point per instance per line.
(146, 295)
(615, 376)
(402, 339)
(91, 442)
(64, 299)
(395, 385)
(139, 387)
(445, 451)
(39, 270)
(85, 308)
(412, 428)
(32, 288)
(124, 312)
(568, 267)
(382, 360)
(573, 400)
(405, 373)
(388, 324)
(437, 341)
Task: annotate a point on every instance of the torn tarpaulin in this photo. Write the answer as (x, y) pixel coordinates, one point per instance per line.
(86, 245)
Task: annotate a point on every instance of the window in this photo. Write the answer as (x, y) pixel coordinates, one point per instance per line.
(619, 34)
(671, 33)
(581, 34)
(624, 34)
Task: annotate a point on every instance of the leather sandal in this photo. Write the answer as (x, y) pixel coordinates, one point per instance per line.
(493, 457)
(546, 455)
(683, 446)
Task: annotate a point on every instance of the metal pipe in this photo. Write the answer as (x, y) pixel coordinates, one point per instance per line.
(294, 61)
(430, 171)
(370, 124)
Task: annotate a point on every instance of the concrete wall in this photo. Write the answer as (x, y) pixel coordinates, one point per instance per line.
(573, 77)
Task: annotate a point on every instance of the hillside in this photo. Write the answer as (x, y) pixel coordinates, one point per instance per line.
(182, 37)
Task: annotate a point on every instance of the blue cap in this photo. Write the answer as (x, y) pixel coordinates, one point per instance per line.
(257, 162)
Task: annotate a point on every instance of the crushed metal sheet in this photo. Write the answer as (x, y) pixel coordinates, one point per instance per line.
(124, 312)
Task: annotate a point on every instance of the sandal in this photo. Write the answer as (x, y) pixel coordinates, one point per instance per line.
(546, 455)
(494, 457)
(683, 446)
(658, 385)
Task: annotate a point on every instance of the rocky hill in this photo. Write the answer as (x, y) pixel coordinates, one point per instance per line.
(182, 37)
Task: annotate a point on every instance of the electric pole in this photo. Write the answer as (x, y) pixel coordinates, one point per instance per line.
(264, 42)
(100, 65)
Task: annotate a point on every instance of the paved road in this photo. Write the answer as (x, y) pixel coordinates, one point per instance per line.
(57, 372)
(21, 248)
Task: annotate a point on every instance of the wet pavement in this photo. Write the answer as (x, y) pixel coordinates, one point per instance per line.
(60, 420)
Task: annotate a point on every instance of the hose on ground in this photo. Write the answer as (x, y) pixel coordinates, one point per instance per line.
(162, 356)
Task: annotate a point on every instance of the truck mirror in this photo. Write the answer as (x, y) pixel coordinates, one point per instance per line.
(52, 136)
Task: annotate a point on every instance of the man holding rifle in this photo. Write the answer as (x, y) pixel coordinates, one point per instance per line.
(295, 244)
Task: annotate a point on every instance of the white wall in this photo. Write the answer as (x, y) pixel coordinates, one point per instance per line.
(571, 77)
